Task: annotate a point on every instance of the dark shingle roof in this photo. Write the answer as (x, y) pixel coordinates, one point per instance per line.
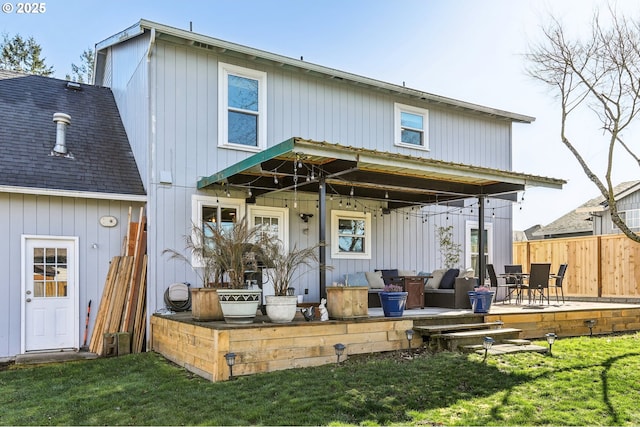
(578, 220)
(102, 158)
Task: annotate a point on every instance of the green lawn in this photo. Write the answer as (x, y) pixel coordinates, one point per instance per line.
(587, 381)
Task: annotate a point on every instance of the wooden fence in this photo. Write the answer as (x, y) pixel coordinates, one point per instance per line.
(605, 267)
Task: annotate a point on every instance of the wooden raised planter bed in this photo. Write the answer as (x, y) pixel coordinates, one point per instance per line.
(347, 302)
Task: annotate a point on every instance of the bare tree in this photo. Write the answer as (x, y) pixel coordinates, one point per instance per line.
(602, 73)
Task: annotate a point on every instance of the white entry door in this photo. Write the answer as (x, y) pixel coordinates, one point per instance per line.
(49, 293)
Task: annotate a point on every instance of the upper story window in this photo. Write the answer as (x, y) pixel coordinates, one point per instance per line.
(242, 108)
(411, 126)
(631, 218)
(350, 235)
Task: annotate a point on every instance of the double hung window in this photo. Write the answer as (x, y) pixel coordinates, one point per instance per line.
(411, 126)
(630, 217)
(350, 235)
(242, 108)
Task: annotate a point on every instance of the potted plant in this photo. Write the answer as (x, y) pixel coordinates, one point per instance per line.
(234, 251)
(393, 300)
(481, 298)
(205, 304)
(281, 267)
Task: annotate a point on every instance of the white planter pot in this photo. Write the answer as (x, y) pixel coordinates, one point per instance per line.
(239, 305)
(281, 309)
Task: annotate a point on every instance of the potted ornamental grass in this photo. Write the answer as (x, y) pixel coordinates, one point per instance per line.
(205, 303)
(234, 251)
(393, 300)
(281, 268)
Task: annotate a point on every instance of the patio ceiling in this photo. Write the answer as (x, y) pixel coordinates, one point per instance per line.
(400, 180)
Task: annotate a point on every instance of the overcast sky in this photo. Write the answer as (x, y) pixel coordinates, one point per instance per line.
(464, 49)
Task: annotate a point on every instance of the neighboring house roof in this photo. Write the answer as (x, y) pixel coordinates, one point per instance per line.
(526, 235)
(578, 221)
(102, 159)
(175, 35)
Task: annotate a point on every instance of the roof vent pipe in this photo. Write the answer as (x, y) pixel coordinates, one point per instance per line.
(62, 120)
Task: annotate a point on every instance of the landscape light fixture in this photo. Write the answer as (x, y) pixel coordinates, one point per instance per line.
(339, 348)
(487, 343)
(590, 324)
(551, 338)
(231, 360)
(409, 333)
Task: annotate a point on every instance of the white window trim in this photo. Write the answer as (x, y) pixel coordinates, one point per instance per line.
(335, 247)
(400, 108)
(198, 201)
(223, 118)
(273, 212)
(470, 225)
(625, 212)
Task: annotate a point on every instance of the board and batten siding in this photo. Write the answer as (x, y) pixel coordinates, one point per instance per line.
(185, 92)
(129, 82)
(632, 201)
(183, 110)
(56, 216)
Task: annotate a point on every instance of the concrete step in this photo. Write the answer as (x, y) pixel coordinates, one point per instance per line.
(434, 329)
(53, 356)
(452, 340)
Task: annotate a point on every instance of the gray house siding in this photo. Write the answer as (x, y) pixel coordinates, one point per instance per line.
(630, 202)
(56, 216)
(129, 82)
(183, 110)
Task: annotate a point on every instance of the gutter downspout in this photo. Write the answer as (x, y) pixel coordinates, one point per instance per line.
(151, 190)
(322, 237)
(481, 243)
(152, 42)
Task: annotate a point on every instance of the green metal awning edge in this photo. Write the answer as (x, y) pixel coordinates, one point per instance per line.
(380, 159)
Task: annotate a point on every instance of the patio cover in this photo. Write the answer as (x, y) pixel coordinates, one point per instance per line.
(398, 180)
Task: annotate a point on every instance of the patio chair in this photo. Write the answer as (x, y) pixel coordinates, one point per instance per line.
(538, 281)
(493, 278)
(513, 281)
(559, 278)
